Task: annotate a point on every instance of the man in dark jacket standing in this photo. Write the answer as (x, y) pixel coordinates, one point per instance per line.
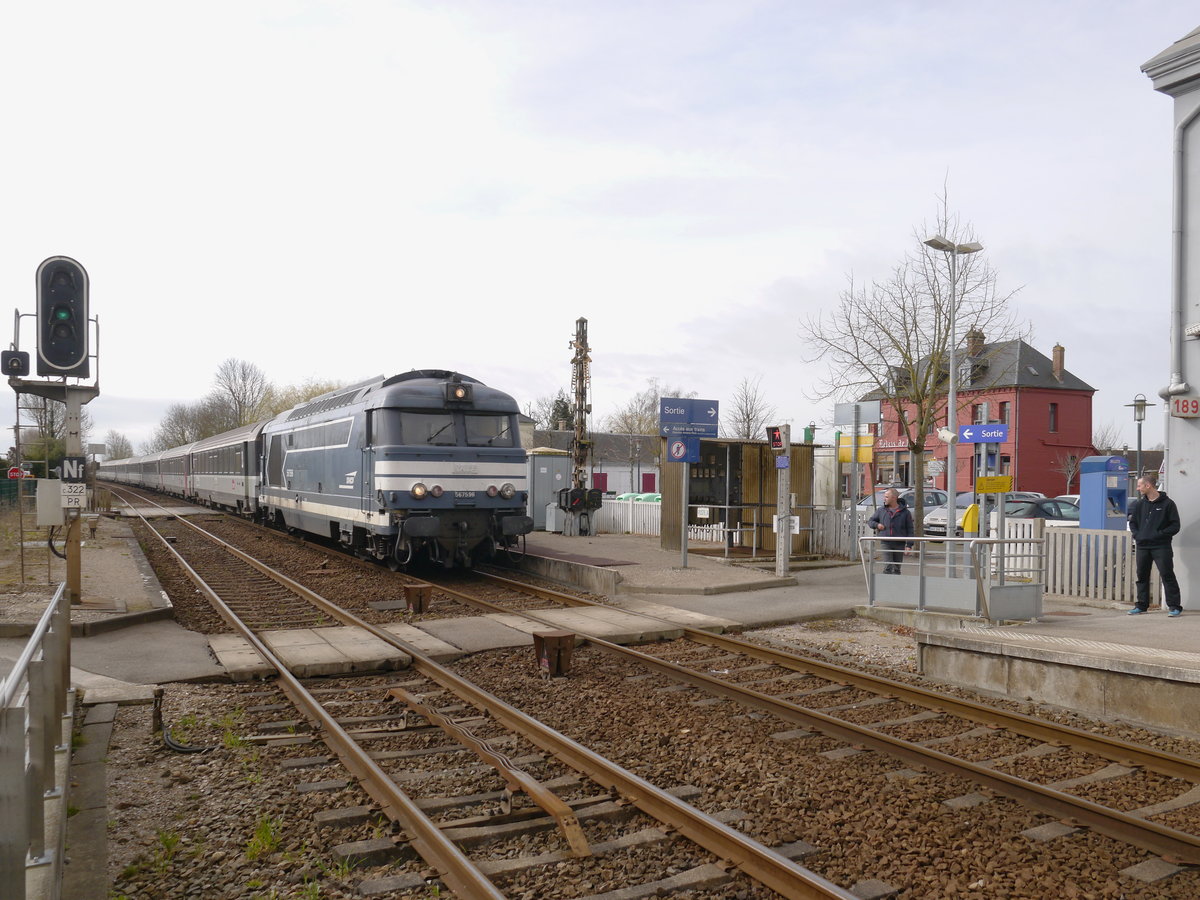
(1154, 521)
(893, 520)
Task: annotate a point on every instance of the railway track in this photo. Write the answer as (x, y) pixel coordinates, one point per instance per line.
(1018, 756)
(434, 841)
(871, 712)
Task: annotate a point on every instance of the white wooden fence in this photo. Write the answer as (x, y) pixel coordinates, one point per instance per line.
(1096, 564)
(627, 517)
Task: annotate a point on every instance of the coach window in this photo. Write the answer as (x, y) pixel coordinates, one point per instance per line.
(488, 431)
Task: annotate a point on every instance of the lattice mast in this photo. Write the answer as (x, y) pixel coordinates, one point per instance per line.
(581, 386)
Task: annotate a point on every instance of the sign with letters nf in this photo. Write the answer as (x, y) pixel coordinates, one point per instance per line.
(74, 468)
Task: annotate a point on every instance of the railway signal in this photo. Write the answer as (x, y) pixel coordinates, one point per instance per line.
(14, 363)
(62, 318)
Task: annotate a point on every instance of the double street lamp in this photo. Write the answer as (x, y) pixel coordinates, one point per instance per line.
(937, 242)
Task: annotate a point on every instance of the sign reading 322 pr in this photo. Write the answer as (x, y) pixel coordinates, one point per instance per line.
(686, 416)
(992, 433)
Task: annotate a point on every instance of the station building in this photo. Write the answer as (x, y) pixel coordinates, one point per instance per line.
(1047, 409)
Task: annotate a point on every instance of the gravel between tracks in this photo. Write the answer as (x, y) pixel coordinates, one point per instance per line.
(191, 826)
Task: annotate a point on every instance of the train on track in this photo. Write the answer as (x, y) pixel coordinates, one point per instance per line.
(423, 466)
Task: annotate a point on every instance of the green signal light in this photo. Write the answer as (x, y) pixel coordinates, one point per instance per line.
(61, 314)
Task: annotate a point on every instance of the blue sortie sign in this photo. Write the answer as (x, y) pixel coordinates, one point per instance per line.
(687, 416)
(983, 434)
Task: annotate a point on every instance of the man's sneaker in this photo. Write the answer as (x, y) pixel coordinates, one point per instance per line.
(1136, 611)
(1174, 612)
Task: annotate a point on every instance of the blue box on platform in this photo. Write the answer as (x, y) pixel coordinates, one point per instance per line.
(1103, 492)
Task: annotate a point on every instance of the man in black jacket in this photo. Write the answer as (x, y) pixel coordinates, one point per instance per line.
(1154, 521)
(893, 520)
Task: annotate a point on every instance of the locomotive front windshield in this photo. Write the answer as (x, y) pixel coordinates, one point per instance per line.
(439, 429)
(488, 431)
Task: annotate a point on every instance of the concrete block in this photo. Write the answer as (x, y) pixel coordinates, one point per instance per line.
(1049, 831)
(1151, 870)
(424, 642)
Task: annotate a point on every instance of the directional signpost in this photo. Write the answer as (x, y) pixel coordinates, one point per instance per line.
(992, 433)
(683, 421)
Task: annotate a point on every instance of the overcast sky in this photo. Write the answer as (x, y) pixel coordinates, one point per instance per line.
(340, 190)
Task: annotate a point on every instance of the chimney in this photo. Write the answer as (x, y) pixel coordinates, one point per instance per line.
(975, 343)
(1058, 361)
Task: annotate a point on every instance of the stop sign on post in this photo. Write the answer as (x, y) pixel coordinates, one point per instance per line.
(15, 472)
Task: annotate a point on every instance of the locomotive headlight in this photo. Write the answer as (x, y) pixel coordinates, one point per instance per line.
(507, 491)
(492, 490)
(418, 491)
(436, 491)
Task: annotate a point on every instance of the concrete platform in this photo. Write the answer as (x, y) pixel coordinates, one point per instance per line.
(1062, 663)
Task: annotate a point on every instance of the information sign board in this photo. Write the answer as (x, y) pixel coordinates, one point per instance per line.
(992, 433)
(680, 416)
(993, 484)
(73, 494)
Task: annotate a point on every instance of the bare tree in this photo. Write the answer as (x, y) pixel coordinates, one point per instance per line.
(891, 339)
(241, 387)
(279, 400)
(748, 413)
(1106, 438)
(1067, 464)
(552, 411)
(640, 414)
(117, 446)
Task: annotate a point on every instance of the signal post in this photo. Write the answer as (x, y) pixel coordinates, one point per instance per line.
(62, 352)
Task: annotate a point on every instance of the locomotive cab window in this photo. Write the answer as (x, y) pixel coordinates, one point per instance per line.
(489, 430)
(413, 428)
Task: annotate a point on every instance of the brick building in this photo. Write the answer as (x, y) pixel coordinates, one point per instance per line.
(1048, 411)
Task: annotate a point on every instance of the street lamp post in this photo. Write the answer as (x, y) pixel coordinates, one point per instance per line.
(1139, 405)
(954, 250)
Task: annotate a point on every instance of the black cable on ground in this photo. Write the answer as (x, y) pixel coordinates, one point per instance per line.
(171, 744)
(50, 543)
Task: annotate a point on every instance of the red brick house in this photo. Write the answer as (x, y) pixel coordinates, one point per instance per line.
(1048, 411)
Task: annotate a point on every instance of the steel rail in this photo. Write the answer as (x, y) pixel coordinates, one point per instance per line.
(1131, 829)
(753, 858)
(515, 778)
(455, 867)
(1114, 749)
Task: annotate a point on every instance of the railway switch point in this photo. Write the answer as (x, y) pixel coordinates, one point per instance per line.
(553, 650)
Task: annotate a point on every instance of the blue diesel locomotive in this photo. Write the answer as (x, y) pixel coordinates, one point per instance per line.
(427, 465)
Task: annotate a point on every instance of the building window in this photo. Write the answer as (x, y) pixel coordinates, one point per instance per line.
(1005, 465)
(1005, 411)
(1053, 418)
(978, 413)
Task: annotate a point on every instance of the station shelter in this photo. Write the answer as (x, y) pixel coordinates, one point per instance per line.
(734, 492)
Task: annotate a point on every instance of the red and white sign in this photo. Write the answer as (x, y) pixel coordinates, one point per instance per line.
(1185, 407)
(16, 472)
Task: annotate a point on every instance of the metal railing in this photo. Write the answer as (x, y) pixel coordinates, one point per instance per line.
(34, 753)
(994, 578)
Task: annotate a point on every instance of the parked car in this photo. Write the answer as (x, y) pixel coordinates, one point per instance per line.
(872, 501)
(935, 519)
(628, 495)
(648, 498)
(1055, 512)
(1070, 498)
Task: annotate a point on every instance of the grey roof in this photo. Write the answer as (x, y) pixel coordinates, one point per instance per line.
(1007, 364)
(1016, 364)
(614, 447)
(1177, 66)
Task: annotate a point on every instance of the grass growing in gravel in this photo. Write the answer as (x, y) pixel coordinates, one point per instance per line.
(168, 843)
(267, 835)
